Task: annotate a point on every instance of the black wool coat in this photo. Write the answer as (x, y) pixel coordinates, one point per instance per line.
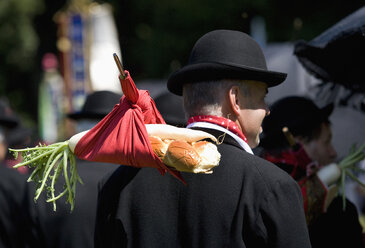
(63, 228)
(15, 224)
(246, 202)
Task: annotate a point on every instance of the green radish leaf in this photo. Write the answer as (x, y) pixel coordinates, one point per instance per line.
(47, 163)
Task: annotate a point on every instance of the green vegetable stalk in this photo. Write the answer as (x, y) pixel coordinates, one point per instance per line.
(47, 163)
(348, 165)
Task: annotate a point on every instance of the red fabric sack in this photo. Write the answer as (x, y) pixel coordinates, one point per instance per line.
(121, 136)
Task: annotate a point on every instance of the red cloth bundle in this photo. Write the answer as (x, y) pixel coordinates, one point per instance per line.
(121, 136)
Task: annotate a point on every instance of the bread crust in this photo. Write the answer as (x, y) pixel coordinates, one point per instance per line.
(182, 155)
(186, 156)
(159, 147)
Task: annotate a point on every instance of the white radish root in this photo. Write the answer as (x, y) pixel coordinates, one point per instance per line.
(329, 174)
(75, 139)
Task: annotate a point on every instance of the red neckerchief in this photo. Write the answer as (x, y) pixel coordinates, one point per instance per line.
(297, 158)
(220, 121)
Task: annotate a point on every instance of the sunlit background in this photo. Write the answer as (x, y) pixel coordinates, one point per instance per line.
(55, 52)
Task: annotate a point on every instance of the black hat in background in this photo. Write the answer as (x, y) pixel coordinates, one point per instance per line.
(299, 114)
(97, 105)
(7, 117)
(16, 133)
(224, 54)
(171, 108)
(19, 136)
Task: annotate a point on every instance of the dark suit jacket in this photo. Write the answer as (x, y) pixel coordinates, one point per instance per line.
(15, 225)
(246, 202)
(63, 229)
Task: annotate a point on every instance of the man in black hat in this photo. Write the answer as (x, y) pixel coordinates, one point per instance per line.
(62, 228)
(247, 201)
(308, 148)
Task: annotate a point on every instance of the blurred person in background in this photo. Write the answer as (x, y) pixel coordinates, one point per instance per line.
(62, 228)
(52, 101)
(8, 122)
(15, 224)
(301, 150)
(19, 136)
(171, 108)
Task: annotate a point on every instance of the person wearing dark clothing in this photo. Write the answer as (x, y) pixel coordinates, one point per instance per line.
(63, 228)
(307, 150)
(171, 108)
(8, 121)
(246, 201)
(16, 229)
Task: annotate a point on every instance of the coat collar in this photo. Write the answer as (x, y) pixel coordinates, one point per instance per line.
(224, 137)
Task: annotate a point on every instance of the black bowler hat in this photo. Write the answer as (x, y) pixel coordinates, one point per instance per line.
(224, 54)
(97, 105)
(299, 114)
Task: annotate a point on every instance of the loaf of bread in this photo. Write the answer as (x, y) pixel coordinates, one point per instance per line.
(184, 149)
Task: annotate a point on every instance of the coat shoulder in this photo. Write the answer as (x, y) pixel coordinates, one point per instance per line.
(253, 167)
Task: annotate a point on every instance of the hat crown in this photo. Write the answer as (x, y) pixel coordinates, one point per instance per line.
(298, 113)
(97, 105)
(228, 47)
(296, 110)
(100, 102)
(224, 54)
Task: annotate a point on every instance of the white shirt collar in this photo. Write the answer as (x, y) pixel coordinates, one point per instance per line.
(242, 143)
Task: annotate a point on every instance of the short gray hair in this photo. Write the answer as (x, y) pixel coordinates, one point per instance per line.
(206, 98)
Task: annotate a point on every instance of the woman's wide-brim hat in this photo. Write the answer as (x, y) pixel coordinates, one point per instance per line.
(224, 54)
(97, 105)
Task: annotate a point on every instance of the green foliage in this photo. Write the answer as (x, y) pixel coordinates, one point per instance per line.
(348, 166)
(18, 40)
(156, 38)
(18, 48)
(159, 37)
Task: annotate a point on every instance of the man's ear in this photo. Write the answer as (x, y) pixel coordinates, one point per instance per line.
(234, 99)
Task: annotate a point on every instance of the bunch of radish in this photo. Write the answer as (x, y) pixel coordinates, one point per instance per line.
(48, 162)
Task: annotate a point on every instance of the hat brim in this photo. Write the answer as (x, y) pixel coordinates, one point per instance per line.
(9, 122)
(18, 135)
(214, 71)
